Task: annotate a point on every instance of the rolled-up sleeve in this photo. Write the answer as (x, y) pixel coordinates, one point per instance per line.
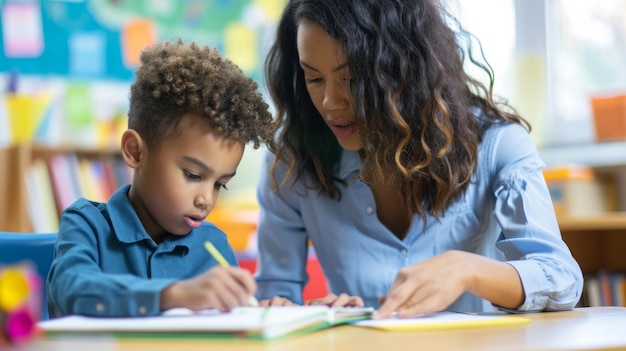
(531, 240)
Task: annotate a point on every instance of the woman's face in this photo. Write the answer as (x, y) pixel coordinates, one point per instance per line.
(327, 76)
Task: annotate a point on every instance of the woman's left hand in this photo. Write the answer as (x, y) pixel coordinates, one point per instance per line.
(343, 300)
(428, 286)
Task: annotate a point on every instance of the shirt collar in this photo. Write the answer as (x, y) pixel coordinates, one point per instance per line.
(350, 165)
(128, 228)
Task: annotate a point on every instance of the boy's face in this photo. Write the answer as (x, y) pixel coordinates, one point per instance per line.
(176, 185)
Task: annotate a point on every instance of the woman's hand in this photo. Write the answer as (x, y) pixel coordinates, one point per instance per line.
(428, 286)
(343, 300)
(434, 284)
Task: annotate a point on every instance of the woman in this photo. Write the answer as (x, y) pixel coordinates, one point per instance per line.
(419, 191)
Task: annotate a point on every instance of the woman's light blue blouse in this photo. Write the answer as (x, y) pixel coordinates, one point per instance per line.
(506, 214)
(106, 264)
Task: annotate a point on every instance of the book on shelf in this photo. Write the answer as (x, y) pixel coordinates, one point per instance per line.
(25, 195)
(64, 181)
(72, 176)
(111, 181)
(41, 204)
(605, 288)
(91, 180)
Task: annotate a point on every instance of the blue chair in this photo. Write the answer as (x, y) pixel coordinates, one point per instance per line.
(38, 248)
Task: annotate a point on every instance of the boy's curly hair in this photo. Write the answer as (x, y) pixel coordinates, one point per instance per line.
(175, 79)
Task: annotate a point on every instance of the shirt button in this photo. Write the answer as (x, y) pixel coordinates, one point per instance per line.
(143, 310)
(100, 307)
(369, 210)
(405, 252)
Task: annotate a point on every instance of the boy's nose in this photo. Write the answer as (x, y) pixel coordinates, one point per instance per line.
(205, 200)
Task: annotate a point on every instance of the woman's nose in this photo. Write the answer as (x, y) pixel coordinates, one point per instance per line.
(335, 96)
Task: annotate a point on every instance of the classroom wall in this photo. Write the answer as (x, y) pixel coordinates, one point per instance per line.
(75, 60)
(101, 39)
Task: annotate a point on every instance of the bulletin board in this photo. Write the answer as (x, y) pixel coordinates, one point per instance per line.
(101, 39)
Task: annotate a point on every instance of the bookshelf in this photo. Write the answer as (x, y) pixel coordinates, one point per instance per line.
(37, 182)
(597, 242)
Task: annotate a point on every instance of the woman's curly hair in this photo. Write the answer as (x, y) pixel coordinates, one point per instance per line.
(175, 79)
(414, 104)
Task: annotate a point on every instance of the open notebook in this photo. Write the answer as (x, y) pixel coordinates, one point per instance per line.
(245, 322)
(265, 322)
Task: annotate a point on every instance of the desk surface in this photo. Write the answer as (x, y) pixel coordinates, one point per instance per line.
(595, 328)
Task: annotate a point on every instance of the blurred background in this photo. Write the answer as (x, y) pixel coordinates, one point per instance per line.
(66, 67)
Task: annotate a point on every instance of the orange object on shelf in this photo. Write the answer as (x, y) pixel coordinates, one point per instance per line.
(609, 117)
(239, 224)
(575, 190)
(570, 172)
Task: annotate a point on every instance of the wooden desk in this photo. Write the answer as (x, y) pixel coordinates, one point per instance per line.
(593, 328)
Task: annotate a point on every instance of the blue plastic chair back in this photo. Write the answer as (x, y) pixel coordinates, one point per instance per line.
(37, 248)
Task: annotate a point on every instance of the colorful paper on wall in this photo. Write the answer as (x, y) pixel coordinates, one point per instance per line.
(136, 35)
(22, 32)
(87, 52)
(78, 111)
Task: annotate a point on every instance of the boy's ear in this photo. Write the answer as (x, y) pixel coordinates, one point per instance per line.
(132, 148)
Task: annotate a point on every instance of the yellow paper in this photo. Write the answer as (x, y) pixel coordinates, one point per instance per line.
(25, 115)
(441, 321)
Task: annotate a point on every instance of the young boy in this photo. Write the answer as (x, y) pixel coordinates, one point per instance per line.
(142, 252)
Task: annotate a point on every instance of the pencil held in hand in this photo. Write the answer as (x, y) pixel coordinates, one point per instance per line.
(222, 261)
(216, 254)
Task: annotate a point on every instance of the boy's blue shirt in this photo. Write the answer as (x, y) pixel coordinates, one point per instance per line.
(106, 264)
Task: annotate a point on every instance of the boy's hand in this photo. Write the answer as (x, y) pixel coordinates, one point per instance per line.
(343, 300)
(220, 287)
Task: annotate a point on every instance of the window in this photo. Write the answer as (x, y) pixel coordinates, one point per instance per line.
(586, 55)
